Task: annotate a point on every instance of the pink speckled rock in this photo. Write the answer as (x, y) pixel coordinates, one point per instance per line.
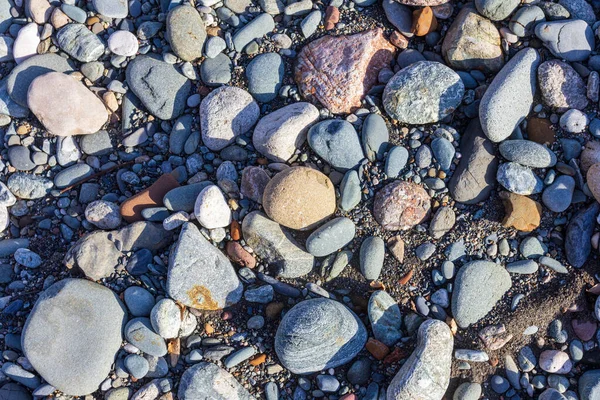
(338, 71)
(401, 205)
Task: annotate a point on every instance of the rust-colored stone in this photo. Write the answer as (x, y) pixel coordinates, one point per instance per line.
(202, 292)
(401, 205)
(209, 329)
(332, 17)
(258, 359)
(406, 278)
(235, 230)
(338, 71)
(399, 40)
(521, 212)
(377, 349)
(424, 21)
(540, 130)
(396, 355)
(239, 255)
(131, 209)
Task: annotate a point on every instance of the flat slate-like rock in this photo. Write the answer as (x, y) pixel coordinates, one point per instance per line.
(209, 381)
(385, 317)
(200, 276)
(477, 288)
(276, 246)
(426, 373)
(509, 97)
(318, 334)
(159, 86)
(72, 335)
(23, 74)
(423, 93)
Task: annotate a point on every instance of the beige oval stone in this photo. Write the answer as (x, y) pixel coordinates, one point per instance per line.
(593, 180)
(79, 111)
(299, 198)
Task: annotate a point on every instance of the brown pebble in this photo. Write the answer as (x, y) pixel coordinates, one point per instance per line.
(399, 40)
(404, 280)
(377, 349)
(131, 209)
(226, 316)
(332, 17)
(424, 21)
(235, 230)
(92, 20)
(540, 130)
(23, 129)
(258, 359)
(273, 310)
(239, 255)
(521, 212)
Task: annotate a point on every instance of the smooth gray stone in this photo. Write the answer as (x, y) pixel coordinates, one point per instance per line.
(139, 333)
(186, 32)
(428, 366)
(478, 286)
(523, 267)
(467, 391)
(531, 247)
(20, 158)
(310, 23)
(23, 74)
(553, 264)
(400, 16)
(9, 246)
(209, 381)
(396, 161)
(331, 236)
(519, 179)
(496, 10)
(372, 253)
(578, 246)
(276, 246)
(216, 71)
(551, 394)
(96, 144)
(375, 137)
(14, 391)
(200, 276)
(422, 93)
(524, 20)
(18, 374)
(589, 385)
(75, 13)
(159, 86)
(72, 174)
(558, 196)
(527, 153)
(337, 142)
(385, 318)
(512, 371)
(255, 29)
(318, 334)
(183, 198)
(350, 191)
(508, 99)
(136, 365)
(29, 187)
(572, 40)
(139, 301)
(265, 74)
(239, 356)
(443, 151)
(182, 128)
(80, 42)
(7, 105)
(112, 8)
(83, 317)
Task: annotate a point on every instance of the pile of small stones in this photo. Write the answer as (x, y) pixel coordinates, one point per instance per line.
(291, 200)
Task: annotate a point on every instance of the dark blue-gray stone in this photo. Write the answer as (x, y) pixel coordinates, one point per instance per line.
(350, 191)
(589, 385)
(183, 198)
(578, 237)
(336, 141)
(331, 237)
(375, 137)
(72, 174)
(318, 334)
(265, 74)
(443, 151)
(136, 365)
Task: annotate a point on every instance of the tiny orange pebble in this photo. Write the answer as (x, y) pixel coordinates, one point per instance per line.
(209, 329)
(404, 280)
(259, 359)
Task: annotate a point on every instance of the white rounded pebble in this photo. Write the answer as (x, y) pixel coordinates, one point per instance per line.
(123, 43)
(574, 121)
(103, 214)
(166, 318)
(4, 218)
(28, 258)
(26, 43)
(211, 208)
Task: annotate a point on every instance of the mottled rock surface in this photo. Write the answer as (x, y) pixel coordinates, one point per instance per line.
(209, 381)
(401, 205)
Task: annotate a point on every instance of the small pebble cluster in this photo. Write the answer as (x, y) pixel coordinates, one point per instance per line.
(343, 200)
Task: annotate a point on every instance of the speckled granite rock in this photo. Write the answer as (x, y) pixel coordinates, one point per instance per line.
(561, 86)
(209, 381)
(401, 205)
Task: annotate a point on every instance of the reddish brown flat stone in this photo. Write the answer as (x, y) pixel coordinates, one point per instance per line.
(338, 71)
(131, 209)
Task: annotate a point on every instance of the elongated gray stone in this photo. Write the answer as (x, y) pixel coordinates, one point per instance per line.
(385, 317)
(257, 28)
(509, 97)
(426, 373)
(72, 335)
(200, 276)
(79, 42)
(578, 244)
(527, 153)
(477, 288)
(276, 246)
(209, 381)
(331, 237)
(318, 334)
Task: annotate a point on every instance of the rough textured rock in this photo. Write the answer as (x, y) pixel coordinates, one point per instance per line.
(209, 381)
(473, 42)
(80, 43)
(299, 198)
(561, 86)
(509, 97)
(579, 233)
(426, 373)
(527, 153)
(278, 134)
(75, 324)
(475, 176)
(79, 113)
(385, 318)
(477, 288)
(200, 276)
(276, 246)
(423, 93)
(318, 334)
(593, 180)
(401, 205)
(159, 86)
(521, 212)
(186, 32)
(590, 155)
(338, 71)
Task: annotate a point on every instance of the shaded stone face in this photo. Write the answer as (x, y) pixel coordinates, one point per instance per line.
(338, 71)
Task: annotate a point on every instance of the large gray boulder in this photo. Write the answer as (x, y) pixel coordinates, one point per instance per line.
(200, 276)
(589, 385)
(318, 334)
(426, 373)
(209, 381)
(477, 288)
(72, 335)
